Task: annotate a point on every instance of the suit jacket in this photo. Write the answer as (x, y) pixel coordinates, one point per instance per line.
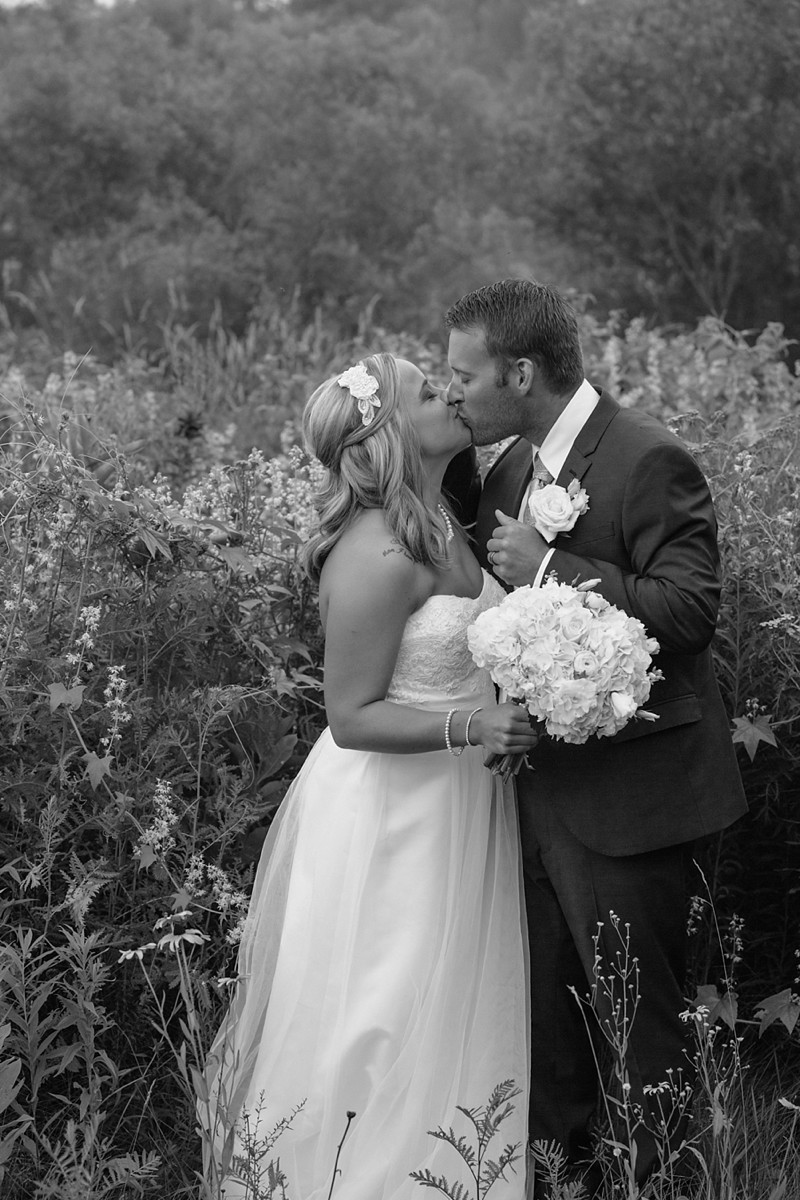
(462, 486)
(649, 536)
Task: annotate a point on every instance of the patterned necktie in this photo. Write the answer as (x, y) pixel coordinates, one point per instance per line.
(541, 475)
(540, 478)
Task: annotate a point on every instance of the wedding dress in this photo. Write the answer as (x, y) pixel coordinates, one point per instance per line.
(382, 968)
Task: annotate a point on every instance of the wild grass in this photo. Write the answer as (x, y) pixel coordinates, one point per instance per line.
(159, 686)
(742, 1137)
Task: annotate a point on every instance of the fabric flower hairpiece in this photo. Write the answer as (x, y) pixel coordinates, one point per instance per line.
(362, 387)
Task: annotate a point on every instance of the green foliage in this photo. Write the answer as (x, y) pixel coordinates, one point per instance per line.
(162, 159)
(157, 675)
(552, 1166)
(738, 1141)
(59, 1079)
(162, 156)
(159, 686)
(744, 383)
(670, 163)
(757, 489)
(262, 1175)
(484, 1172)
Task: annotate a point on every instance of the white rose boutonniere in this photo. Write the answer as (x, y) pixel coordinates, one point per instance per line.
(555, 509)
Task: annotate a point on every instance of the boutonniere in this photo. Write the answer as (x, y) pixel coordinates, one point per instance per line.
(555, 509)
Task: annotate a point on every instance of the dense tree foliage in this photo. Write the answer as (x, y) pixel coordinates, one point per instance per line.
(668, 150)
(161, 157)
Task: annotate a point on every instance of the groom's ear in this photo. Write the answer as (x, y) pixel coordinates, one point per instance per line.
(522, 374)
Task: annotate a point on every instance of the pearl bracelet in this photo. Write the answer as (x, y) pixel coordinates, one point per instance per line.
(456, 750)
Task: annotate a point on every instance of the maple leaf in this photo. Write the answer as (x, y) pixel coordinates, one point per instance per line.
(752, 732)
(147, 856)
(180, 899)
(97, 768)
(720, 1008)
(155, 543)
(783, 1006)
(236, 559)
(59, 695)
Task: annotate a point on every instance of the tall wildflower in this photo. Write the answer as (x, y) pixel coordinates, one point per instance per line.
(89, 617)
(157, 841)
(117, 706)
(208, 879)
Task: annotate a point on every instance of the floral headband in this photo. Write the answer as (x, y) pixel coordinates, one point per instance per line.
(362, 387)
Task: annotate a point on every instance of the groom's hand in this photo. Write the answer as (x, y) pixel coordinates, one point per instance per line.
(515, 550)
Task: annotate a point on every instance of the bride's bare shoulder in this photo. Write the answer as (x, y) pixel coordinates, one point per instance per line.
(370, 559)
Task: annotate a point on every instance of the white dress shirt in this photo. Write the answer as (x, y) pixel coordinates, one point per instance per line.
(555, 448)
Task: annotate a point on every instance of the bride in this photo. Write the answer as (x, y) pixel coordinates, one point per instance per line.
(382, 970)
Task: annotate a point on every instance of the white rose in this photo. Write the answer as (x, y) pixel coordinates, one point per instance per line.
(624, 706)
(585, 663)
(575, 623)
(555, 509)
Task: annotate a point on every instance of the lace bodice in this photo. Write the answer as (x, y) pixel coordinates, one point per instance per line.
(434, 661)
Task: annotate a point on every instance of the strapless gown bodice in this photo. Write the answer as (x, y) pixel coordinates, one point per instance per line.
(434, 663)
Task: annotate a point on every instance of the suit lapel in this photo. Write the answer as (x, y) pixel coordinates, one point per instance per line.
(579, 458)
(503, 488)
(508, 478)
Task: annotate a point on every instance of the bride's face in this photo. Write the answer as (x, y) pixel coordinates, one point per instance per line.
(441, 434)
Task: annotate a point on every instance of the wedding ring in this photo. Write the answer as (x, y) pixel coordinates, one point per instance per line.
(490, 556)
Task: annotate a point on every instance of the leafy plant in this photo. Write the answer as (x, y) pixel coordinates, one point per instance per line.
(159, 686)
(737, 1142)
(484, 1172)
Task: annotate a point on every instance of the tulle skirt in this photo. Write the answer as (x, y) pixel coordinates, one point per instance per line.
(382, 973)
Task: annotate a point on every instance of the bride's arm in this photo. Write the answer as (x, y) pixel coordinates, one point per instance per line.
(370, 587)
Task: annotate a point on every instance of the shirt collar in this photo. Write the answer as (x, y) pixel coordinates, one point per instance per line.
(559, 441)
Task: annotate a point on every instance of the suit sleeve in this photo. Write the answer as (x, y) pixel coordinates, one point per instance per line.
(462, 483)
(671, 579)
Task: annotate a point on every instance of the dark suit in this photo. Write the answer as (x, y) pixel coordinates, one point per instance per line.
(609, 825)
(462, 486)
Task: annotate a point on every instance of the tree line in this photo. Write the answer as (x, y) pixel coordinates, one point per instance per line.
(163, 159)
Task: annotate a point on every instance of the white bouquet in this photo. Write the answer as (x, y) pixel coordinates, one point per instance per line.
(580, 665)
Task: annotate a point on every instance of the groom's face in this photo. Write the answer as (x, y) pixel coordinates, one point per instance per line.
(486, 404)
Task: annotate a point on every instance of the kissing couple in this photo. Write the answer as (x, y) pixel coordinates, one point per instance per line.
(419, 929)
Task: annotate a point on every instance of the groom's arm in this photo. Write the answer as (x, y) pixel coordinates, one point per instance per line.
(671, 580)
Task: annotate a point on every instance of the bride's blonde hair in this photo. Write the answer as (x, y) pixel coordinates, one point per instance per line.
(378, 465)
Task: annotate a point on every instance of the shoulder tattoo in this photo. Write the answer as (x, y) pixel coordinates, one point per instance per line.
(396, 548)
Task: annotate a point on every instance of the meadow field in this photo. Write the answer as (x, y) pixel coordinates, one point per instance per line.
(160, 686)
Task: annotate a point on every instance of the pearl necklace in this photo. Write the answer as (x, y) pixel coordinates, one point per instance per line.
(447, 521)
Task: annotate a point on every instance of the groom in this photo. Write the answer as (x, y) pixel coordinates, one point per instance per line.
(606, 827)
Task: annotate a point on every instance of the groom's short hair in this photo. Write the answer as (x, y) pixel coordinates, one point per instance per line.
(523, 319)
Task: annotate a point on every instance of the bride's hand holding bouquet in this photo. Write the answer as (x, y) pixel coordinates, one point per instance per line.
(504, 731)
